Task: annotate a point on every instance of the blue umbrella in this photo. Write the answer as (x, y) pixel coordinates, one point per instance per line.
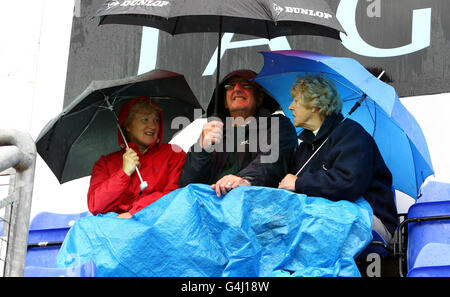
(396, 132)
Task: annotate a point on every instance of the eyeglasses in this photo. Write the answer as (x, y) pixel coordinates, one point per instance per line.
(231, 86)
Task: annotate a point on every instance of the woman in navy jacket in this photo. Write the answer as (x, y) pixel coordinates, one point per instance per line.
(347, 166)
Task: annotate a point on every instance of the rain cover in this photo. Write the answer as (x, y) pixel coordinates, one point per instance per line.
(251, 231)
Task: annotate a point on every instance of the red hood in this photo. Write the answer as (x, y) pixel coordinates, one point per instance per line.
(124, 111)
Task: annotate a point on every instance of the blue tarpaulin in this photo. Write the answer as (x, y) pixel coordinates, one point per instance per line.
(251, 231)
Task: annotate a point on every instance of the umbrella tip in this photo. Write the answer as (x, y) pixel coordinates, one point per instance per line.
(380, 74)
(143, 186)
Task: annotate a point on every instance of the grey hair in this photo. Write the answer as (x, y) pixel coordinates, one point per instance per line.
(317, 91)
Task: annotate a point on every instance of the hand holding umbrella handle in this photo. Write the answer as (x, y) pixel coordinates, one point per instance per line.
(143, 184)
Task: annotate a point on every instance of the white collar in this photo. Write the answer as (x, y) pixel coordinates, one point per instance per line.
(316, 131)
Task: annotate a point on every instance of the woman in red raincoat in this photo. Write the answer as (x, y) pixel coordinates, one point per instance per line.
(114, 185)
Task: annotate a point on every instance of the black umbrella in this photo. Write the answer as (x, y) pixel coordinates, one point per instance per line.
(262, 18)
(72, 142)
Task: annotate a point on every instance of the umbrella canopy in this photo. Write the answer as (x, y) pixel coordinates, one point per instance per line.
(73, 141)
(396, 132)
(262, 18)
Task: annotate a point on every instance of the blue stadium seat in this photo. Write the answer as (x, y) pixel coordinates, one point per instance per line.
(48, 220)
(434, 191)
(428, 234)
(435, 271)
(428, 231)
(46, 234)
(85, 270)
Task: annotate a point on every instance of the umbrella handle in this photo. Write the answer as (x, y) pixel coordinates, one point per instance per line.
(357, 104)
(143, 184)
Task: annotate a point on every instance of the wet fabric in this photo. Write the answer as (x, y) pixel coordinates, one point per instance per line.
(112, 190)
(252, 231)
(396, 132)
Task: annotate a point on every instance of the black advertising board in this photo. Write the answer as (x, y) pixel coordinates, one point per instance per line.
(410, 39)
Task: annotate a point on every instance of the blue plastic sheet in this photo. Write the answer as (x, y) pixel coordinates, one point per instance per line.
(251, 231)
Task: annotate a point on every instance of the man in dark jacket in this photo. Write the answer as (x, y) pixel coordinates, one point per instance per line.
(244, 135)
(347, 166)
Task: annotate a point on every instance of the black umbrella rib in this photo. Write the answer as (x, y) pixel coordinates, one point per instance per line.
(267, 30)
(414, 164)
(374, 117)
(70, 114)
(105, 98)
(350, 99)
(174, 27)
(115, 98)
(117, 92)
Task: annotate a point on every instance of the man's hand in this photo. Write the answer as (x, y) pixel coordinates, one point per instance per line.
(125, 215)
(130, 161)
(212, 133)
(227, 183)
(288, 182)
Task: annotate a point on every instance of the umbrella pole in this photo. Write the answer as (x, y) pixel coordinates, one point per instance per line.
(219, 51)
(143, 184)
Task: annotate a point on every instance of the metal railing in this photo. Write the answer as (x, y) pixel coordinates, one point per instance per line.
(17, 161)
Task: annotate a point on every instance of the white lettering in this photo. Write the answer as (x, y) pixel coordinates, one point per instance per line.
(374, 9)
(346, 14)
(374, 268)
(149, 49)
(270, 150)
(144, 3)
(276, 44)
(420, 39)
(306, 11)
(193, 287)
(179, 123)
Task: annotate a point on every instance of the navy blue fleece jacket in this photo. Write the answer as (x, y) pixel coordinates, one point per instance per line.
(348, 166)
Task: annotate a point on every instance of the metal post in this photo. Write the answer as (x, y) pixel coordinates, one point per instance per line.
(18, 150)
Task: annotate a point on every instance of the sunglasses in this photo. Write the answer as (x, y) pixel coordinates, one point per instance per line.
(232, 85)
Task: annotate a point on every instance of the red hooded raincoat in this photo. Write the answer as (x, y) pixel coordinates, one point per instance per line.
(111, 190)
